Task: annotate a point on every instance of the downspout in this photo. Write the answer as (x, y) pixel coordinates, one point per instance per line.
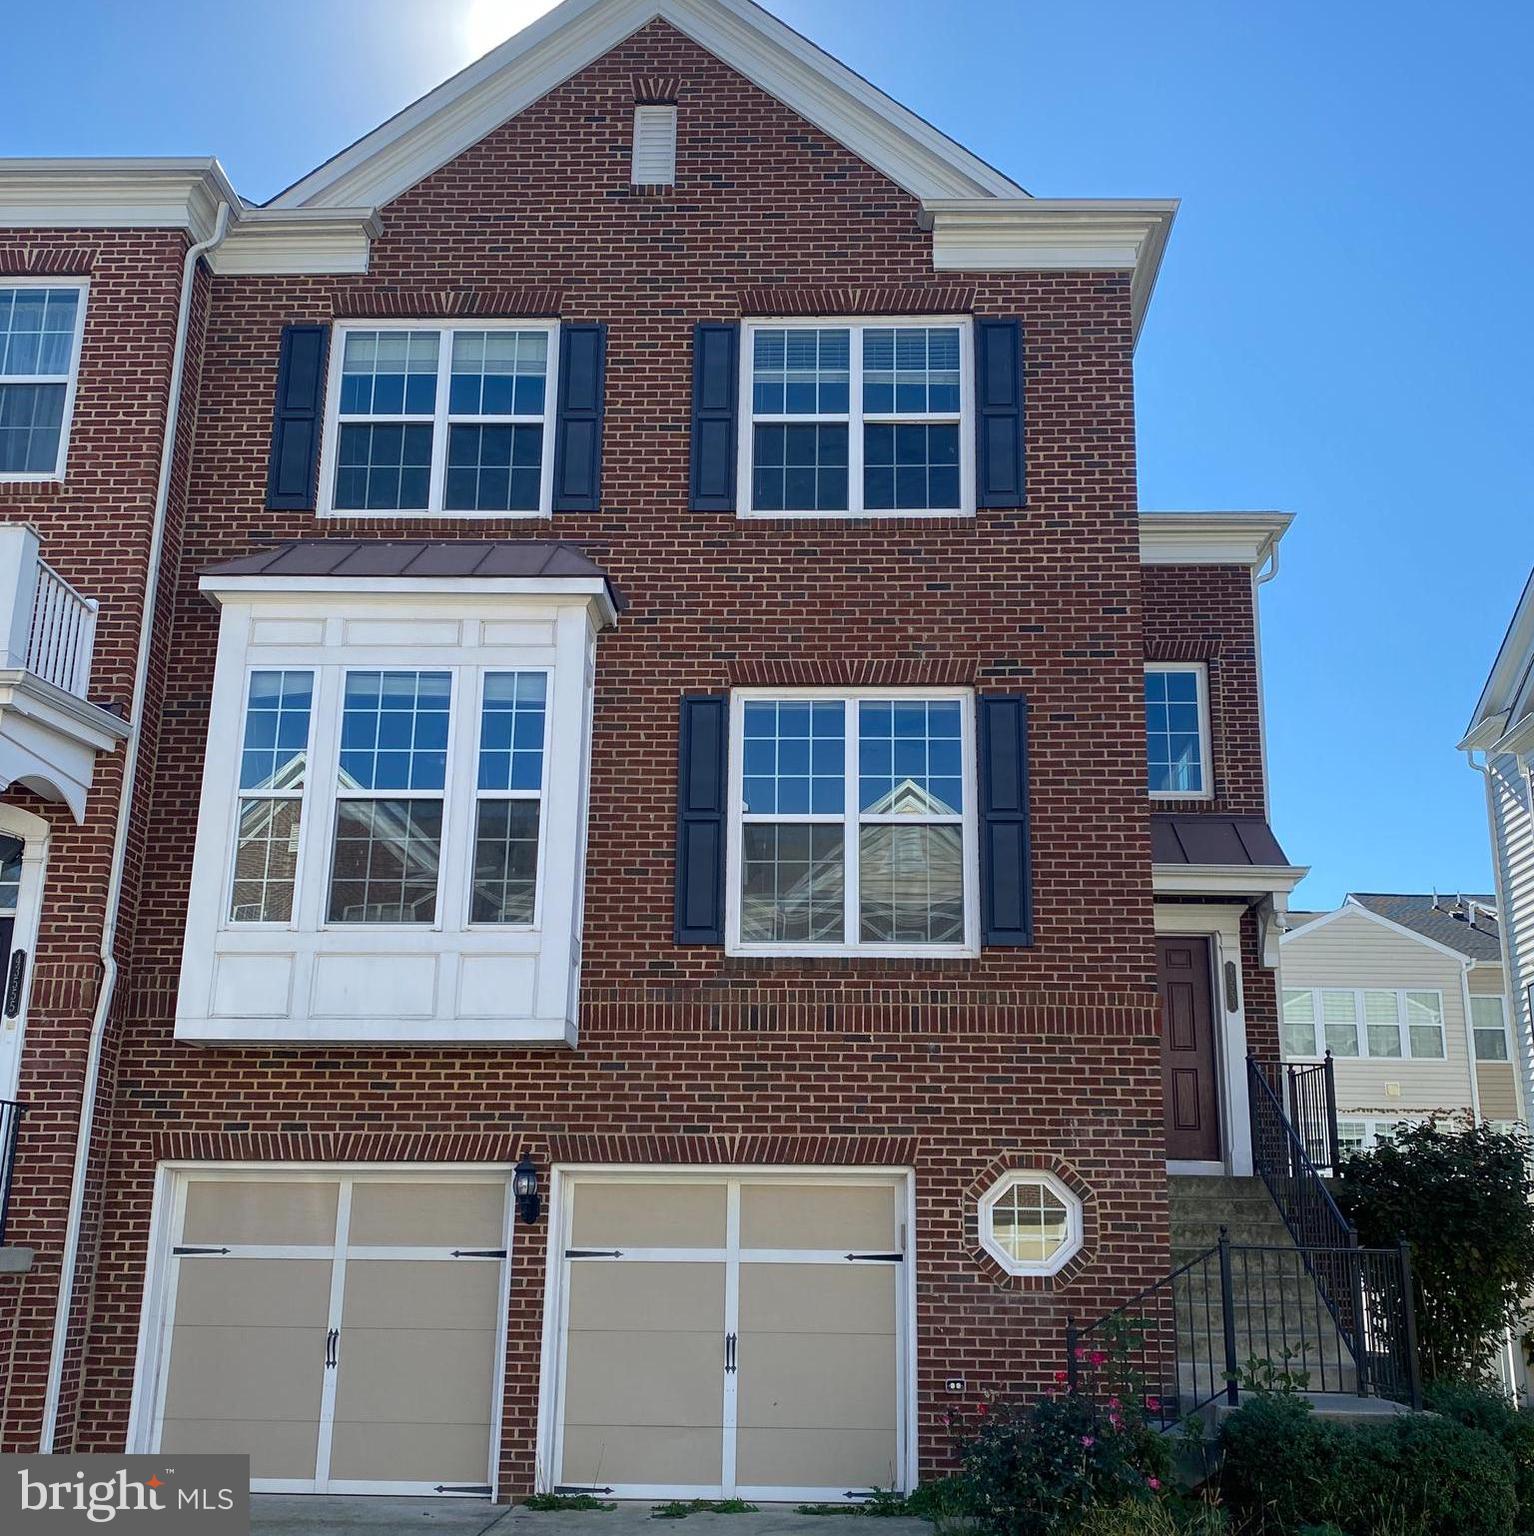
(131, 749)
(1475, 1076)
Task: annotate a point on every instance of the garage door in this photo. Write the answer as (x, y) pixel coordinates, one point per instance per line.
(343, 1331)
(731, 1336)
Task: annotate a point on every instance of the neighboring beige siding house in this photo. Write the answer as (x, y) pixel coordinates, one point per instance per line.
(1409, 995)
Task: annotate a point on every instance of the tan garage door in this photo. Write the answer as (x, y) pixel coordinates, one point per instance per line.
(343, 1331)
(727, 1336)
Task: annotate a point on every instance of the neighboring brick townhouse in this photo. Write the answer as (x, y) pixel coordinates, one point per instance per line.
(603, 641)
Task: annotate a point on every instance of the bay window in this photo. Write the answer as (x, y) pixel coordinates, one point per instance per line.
(440, 418)
(852, 823)
(273, 764)
(857, 418)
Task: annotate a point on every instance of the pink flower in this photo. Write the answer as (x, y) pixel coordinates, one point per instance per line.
(982, 1407)
(1153, 1483)
(1098, 1357)
(1088, 1441)
(1113, 1402)
(1061, 1376)
(1152, 1404)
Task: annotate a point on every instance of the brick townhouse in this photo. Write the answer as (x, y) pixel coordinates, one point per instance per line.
(605, 785)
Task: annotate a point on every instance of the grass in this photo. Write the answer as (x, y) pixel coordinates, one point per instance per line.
(934, 1501)
(679, 1509)
(565, 1501)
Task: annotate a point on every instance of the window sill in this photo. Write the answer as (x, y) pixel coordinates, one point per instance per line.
(446, 1033)
(854, 952)
(915, 514)
(435, 514)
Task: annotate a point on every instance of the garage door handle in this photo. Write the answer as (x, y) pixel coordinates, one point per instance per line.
(729, 1354)
(332, 1343)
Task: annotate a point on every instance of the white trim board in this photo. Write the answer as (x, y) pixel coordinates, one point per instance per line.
(446, 121)
(1352, 908)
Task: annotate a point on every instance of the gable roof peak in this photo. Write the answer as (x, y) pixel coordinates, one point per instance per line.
(447, 120)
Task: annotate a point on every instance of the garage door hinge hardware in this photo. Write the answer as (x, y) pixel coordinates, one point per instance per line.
(479, 1253)
(480, 1488)
(593, 1253)
(579, 1488)
(199, 1250)
(729, 1353)
(878, 1258)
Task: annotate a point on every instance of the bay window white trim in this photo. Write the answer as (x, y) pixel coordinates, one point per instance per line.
(851, 819)
(440, 419)
(452, 981)
(70, 381)
(855, 418)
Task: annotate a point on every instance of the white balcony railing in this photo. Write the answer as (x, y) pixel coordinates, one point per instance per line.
(63, 632)
(50, 629)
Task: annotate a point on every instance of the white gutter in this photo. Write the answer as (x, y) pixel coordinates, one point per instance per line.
(120, 841)
(1475, 1076)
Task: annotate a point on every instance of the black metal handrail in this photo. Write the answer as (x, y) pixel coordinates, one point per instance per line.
(1256, 1316)
(1313, 1111)
(1281, 1160)
(10, 1125)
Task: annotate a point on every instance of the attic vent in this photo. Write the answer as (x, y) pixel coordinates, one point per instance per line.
(654, 146)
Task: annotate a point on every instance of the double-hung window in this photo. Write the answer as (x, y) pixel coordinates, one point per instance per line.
(41, 324)
(1488, 1021)
(857, 418)
(449, 419)
(1362, 1021)
(394, 796)
(1177, 730)
(852, 823)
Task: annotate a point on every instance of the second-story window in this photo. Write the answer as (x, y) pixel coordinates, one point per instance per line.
(853, 826)
(857, 417)
(1362, 1021)
(40, 329)
(440, 419)
(1177, 730)
(274, 758)
(1488, 1018)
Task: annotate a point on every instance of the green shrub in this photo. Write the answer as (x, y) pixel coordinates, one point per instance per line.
(549, 1502)
(1037, 1466)
(1158, 1517)
(1493, 1414)
(1284, 1470)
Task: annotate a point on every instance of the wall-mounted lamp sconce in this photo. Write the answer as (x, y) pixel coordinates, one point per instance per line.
(524, 1185)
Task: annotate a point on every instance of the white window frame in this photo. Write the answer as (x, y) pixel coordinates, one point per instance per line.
(441, 419)
(460, 796)
(1507, 1035)
(854, 417)
(1200, 671)
(82, 286)
(1372, 1125)
(1074, 1227)
(1403, 1024)
(851, 819)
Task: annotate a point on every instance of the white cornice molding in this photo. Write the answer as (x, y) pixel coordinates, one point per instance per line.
(303, 240)
(115, 194)
(185, 195)
(1211, 538)
(592, 591)
(462, 110)
(1013, 234)
(1246, 880)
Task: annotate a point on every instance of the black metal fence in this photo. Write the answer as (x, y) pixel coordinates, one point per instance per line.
(10, 1125)
(1254, 1318)
(1280, 1157)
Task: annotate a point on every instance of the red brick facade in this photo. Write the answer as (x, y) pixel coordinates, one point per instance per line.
(1046, 1056)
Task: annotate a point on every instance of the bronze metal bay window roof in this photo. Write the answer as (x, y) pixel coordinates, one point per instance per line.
(374, 559)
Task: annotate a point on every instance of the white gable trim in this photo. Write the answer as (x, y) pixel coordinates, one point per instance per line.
(1352, 908)
(461, 111)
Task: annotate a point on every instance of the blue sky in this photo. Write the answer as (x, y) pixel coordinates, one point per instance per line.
(1342, 326)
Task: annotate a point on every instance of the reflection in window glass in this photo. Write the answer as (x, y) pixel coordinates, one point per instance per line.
(513, 715)
(273, 769)
(1172, 732)
(1030, 1222)
(37, 346)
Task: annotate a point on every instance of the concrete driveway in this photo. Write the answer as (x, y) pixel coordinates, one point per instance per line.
(319, 1515)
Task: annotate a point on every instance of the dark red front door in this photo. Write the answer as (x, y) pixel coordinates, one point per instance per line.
(1188, 1051)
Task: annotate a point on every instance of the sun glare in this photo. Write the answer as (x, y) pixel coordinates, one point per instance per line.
(488, 22)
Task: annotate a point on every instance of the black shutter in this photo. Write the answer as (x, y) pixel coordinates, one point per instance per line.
(1006, 899)
(578, 429)
(999, 412)
(701, 788)
(715, 386)
(294, 467)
